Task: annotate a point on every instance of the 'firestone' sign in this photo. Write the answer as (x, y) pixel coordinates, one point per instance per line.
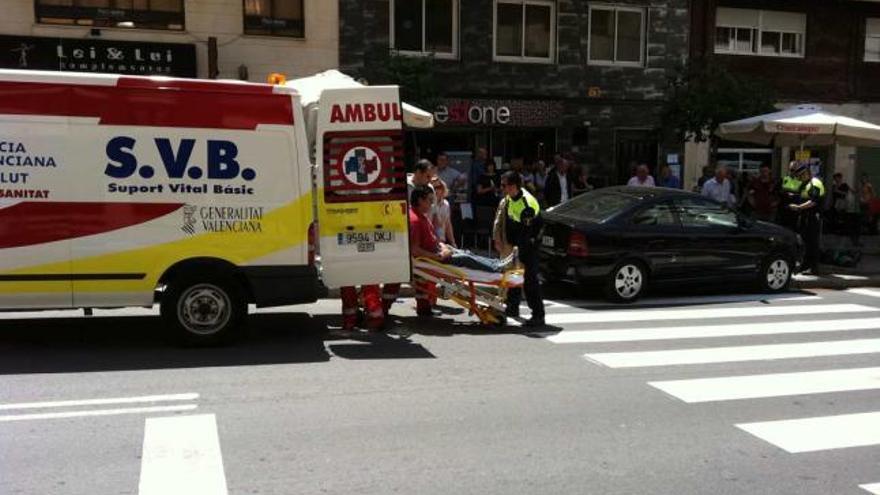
(498, 113)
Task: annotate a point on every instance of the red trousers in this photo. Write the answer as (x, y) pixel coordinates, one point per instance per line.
(372, 304)
(426, 295)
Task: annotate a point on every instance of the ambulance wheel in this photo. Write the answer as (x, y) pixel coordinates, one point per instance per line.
(204, 311)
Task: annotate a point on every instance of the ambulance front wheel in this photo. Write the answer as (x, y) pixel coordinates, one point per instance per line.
(204, 311)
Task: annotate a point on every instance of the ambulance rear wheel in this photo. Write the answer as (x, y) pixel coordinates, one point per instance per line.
(204, 311)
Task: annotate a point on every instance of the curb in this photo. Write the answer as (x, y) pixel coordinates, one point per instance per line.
(835, 282)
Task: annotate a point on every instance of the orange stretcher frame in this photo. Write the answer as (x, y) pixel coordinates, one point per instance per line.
(481, 293)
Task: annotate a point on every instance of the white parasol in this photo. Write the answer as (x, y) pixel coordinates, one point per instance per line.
(801, 125)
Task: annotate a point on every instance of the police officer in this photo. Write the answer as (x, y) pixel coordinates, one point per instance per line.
(791, 192)
(807, 207)
(522, 224)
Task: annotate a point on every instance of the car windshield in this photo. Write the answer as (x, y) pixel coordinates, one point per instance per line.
(595, 206)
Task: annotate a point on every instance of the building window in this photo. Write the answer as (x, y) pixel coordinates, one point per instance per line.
(425, 27)
(872, 40)
(138, 14)
(525, 30)
(748, 160)
(617, 35)
(759, 32)
(274, 18)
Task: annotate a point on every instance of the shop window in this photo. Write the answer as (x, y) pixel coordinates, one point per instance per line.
(425, 27)
(872, 40)
(748, 160)
(138, 14)
(617, 35)
(759, 32)
(525, 30)
(274, 18)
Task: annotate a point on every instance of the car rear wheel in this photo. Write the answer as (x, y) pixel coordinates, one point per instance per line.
(775, 275)
(627, 282)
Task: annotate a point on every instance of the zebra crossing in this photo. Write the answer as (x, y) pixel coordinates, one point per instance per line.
(788, 320)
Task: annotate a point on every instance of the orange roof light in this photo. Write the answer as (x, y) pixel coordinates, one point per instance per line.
(277, 78)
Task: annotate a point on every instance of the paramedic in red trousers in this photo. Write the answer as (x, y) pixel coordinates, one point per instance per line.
(522, 224)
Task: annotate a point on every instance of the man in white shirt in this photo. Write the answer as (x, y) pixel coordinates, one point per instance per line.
(454, 179)
(718, 188)
(642, 178)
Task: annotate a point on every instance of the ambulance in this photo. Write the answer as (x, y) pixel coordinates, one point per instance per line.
(200, 196)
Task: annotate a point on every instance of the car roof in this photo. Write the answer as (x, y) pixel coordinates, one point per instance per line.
(648, 193)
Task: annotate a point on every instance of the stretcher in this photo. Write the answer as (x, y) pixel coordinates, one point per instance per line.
(482, 293)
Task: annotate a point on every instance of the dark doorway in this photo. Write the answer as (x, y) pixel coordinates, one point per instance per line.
(634, 145)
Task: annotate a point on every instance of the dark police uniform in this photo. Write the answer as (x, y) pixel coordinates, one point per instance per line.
(522, 223)
(809, 225)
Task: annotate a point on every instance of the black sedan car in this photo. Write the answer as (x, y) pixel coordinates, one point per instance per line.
(629, 238)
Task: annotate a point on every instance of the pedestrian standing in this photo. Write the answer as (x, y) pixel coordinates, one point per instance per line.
(442, 214)
(807, 207)
(558, 186)
(763, 196)
(866, 199)
(580, 180)
(668, 179)
(791, 187)
(522, 224)
(642, 178)
(718, 188)
(486, 193)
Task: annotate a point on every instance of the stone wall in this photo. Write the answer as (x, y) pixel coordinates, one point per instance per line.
(622, 97)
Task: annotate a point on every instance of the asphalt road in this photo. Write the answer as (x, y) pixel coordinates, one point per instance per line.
(591, 406)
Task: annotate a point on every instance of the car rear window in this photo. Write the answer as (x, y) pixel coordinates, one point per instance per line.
(595, 206)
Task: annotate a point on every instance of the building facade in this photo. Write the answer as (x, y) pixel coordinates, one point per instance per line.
(809, 52)
(232, 39)
(528, 78)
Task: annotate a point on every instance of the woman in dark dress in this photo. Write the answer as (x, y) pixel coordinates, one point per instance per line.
(486, 193)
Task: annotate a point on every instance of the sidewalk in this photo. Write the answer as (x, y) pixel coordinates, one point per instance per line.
(865, 274)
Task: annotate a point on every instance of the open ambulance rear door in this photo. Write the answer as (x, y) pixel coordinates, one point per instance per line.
(361, 187)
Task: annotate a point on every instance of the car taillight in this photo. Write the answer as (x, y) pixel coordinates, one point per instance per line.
(313, 242)
(577, 245)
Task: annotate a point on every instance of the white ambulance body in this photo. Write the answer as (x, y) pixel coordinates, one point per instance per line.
(117, 190)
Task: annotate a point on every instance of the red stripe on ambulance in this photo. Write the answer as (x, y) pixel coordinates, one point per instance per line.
(58, 221)
(136, 101)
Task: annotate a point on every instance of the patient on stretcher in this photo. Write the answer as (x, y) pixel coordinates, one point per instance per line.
(424, 242)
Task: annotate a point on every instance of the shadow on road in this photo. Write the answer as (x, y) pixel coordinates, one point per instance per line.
(84, 344)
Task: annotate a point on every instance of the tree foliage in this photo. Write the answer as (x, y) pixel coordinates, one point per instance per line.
(704, 96)
(414, 75)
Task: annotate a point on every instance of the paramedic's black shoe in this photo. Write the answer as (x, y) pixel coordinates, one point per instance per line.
(511, 312)
(535, 322)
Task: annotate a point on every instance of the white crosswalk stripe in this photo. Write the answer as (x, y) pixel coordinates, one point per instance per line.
(871, 488)
(822, 433)
(770, 385)
(629, 327)
(734, 353)
(627, 316)
(710, 331)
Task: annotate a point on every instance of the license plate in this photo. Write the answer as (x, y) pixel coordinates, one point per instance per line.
(547, 241)
(348, 238)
